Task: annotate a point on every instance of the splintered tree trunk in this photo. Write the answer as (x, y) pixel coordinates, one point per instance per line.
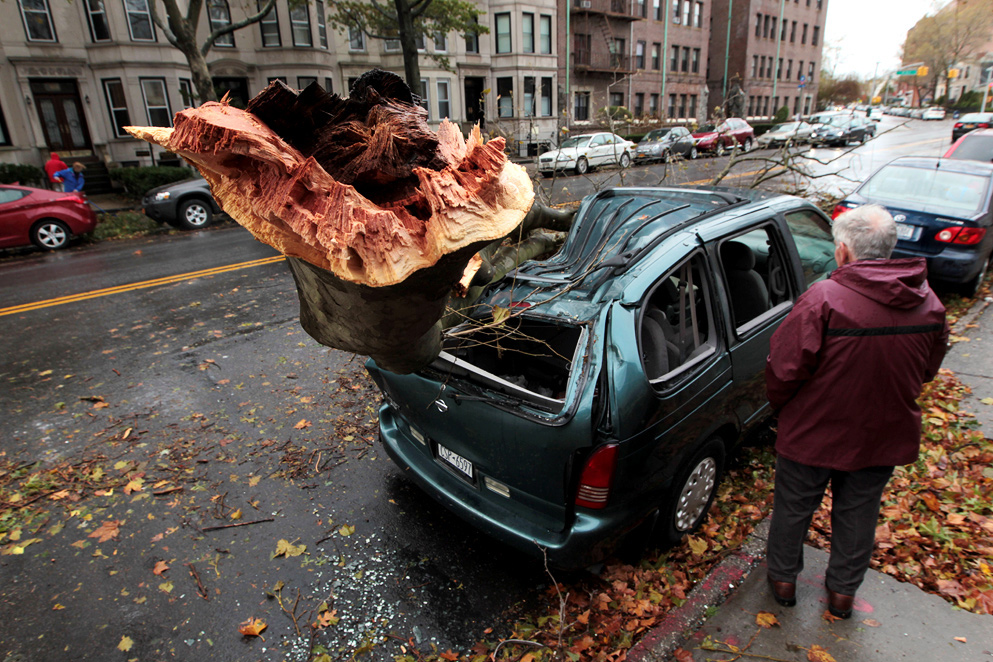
(379, 214)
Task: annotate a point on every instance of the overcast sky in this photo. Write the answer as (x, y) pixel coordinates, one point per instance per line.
(869, 31)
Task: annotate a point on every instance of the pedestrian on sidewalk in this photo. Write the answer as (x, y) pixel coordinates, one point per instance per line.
(52, 166)
(844, 372)
(72, 178)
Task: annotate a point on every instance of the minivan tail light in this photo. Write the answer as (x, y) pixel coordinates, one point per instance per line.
(598, 474)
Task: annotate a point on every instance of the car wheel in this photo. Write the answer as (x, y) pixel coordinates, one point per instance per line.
(969, 289)
(624, 161)
(693, 152)
(582, 166)
(692, 493)
(748, 145)
(719, 150)
(194, 214)
(548, 175)
(50, 235)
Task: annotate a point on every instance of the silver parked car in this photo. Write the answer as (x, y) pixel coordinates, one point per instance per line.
(580, 153)
(795, 132)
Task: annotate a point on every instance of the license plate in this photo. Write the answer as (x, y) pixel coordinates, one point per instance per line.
(968, 126)
(456, 461)
(904, 231)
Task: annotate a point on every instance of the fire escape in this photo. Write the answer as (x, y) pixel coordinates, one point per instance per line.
(598, 49)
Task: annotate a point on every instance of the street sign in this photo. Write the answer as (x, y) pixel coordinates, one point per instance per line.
(907, 72)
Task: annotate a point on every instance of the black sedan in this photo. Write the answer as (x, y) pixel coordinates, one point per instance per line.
(187, 205)
(841, 130)
(663, 144)
(944, 211)
(971, 122)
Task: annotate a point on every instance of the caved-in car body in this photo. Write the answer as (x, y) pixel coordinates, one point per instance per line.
(632, 364)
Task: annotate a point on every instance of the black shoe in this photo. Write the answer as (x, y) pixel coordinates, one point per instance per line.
(840, 605)
(783, 592)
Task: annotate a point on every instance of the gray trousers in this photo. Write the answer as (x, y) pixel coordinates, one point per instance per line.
(855, 510)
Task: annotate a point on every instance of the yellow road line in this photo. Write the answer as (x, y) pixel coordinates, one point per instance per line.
(167, 280)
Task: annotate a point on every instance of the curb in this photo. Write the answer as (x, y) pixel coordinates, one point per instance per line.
(660, 642)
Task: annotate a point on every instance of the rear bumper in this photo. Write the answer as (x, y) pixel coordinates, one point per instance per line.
(950, 265)
(587, 536)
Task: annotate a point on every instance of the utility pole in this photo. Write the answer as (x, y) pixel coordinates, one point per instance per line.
(665, 56)
(727, 54)
(779, 39)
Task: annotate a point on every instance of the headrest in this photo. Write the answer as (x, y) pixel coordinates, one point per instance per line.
(737, 256)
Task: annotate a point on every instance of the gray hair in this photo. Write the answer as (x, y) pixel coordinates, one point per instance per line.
(869, 232)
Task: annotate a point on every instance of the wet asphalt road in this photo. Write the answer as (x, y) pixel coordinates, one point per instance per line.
(202, 392)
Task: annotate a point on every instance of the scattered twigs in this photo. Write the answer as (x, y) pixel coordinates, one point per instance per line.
(201, 589)
(231, 526)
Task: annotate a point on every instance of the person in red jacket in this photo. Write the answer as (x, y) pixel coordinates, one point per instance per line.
(844, 372)
(52, 166)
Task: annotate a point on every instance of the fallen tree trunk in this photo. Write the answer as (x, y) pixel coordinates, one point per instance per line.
(379, 214)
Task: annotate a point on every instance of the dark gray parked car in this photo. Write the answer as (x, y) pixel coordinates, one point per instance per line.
(187, 205)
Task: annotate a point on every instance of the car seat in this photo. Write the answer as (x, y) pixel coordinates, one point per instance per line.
(748, 292)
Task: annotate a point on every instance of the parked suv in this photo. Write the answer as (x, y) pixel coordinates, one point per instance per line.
(187, 205)
(721, 138)
(630, 366)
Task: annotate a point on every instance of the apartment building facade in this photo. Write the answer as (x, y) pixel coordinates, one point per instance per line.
(73, 74)
(648, 56)
(767, 53)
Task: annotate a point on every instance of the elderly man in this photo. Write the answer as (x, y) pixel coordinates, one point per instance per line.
(844, 372)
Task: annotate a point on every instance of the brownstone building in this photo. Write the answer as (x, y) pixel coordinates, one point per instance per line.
(769, 58)
(649, 56)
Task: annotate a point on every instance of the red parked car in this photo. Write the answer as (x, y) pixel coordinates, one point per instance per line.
(974, 146)
(47, 219)
(722, 137)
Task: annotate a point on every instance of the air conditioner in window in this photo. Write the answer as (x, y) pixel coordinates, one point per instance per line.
(585, 4)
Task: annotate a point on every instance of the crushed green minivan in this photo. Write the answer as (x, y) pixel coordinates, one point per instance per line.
(630, 365)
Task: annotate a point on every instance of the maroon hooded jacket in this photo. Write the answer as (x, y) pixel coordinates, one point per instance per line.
(847, 364)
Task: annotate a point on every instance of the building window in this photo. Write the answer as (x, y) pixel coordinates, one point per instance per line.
(657, 9)
(618, 52)
(796, 106)
(682, 105)
(686, 59)
(641, 9)
(765, 26)
(672, 106)
(219, 16)
(810, 73)
(582, 110)
(300, 25)
(695, 68)
(389, 45)
(546, 97)
(269, 25)
(639, 104)
(139, 20)
(545, 35)
(751, 106)
(617, 99)
(789, 69)
(303, 82)
(793, 33)
(117, 106)
(656, 57)
(692, 106)
(674, 62)
(37, 20)
(755, 66)
(444, 100)
(772, 28)
(186, 95)
(775, 105)
(758, 25)
(529, 99)
(639, 55)
(765, 113)
(505, 97)
(782, 33)
(527, 28)
(675, 11)
(653, 105)
(322, 24)
(815, 35)
(426, 96)
(779, 70)
(799, 72)
(698, 15)
(153, 90)
(356, 40)
(768, 67)
(440, 43)
(97, 15)
(503, 40)
(806, 105)
(328, 85)
(803, 38)
(471, 39)
(419, 42)
(687, 6)
(762, 67)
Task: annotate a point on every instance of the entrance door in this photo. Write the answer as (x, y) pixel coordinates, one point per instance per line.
(61, 115)
(474, 102)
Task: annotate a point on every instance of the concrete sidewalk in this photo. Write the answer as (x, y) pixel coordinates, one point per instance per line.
(892, 620)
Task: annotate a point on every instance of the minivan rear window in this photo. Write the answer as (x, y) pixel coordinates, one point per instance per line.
(928, 189)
